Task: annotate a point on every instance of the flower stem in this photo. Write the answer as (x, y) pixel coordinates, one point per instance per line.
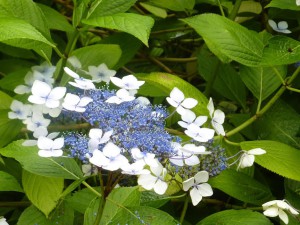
(102, 200)
(185, 206)
(235, 9)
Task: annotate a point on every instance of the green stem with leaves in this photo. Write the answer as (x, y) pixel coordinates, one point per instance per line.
(185, 206)
(267, 106)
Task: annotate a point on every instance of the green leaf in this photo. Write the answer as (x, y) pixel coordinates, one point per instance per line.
(9, 183)
(227, 38)
(262, 81)
(13, 79)
(164, 83)
(50, 167)
(150, 198)
(280, 158)
(118, 200)
(13, 65)
(91, 212)
(32, 215)
(281, 50)
(6, 101)
(128, 44)
(108, 7)
(55, 20)
(9, 129)
(80, 200)
(236, 217)
(241, 187)
(280, 123)
(175, 5)
(159, 12)
(28, 11)
(144, 214)
(134, 24)
(283, 4)
(21, 34)
(227, 81)
(43, 192)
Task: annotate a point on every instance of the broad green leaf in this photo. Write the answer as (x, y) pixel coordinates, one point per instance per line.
(55, 20)
(144, 215)
(248, 10)
(164, 83)
(96, 54)
(9, 183)
(280, 50)
(49, 167)
(175, 5)
(241, 187)
(28, 10)
(11, 65)
(159, 12)
(227, 38)
(9, 129)
(91, 212)
(17, 52)
(32, 215)
(6, 101)
(108, 7)
(283, 4)
(236, 217)
(280, 158)
(118, 200)
(262, 81)
(21, 34)
(134, 24)
(227, 81)
(13, 79)
(280, 123)
(150, 198)
(80, 200)
(128, 44)
(43, 192)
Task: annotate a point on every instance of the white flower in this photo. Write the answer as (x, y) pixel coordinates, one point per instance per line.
(248, 157)
(181, 103)
(19, 110)
(3, 221)
(75, 103)
(198, 187)
(49, 147)
(217, 118)
(145, 157)
(136, 168)
(189, 117)
(156, 182)
(43, 94)
(281, 27)
(297, 2)
(199, 134)
(128, 82)
(97, 137)
(110, 158)
(80, 82)
(45, 69)
(74, 61)
(122, 95)
(101, 73)
(183, 158)
(276, 208)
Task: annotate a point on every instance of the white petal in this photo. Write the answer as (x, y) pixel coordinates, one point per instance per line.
(160, 187)
(40, 89)
(282, 25)
(219, 116)
(157, 170)
(177, 160)
(147, 181)
(210, 107)
(84, 101)
(57, 93)
(53, 135)
(51, 103)
(29, 143)
(177, 95)
(246, 160)
(99, 159)
(58, 143)
(195, 196)
(200, 120)
(201, 177)
(111, 150)
(106, 137)
(45, 153)
(273, 24)
(95, 133)
(189, 116)
(187, 184)
(205, 190)
(117, 81)
(44, 143)
(283, 216)
(297, 2)
(256, 151)
(271, 212)
(189, 103)
(71, 73)
(172, 102)
(192, 160)
(218, 128)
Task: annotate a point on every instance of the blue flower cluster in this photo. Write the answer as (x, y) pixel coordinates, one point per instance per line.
(134, 125)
